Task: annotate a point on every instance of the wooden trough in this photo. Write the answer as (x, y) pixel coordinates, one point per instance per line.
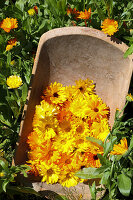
(68, 54)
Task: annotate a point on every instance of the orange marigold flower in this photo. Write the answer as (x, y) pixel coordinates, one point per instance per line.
(36, 9)
(85, 15)
(69, 11)
(109, 26)
(8, 24)
(121, 148)
(11, 43)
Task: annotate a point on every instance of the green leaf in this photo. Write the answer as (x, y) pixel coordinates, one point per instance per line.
(124, 184)
(131, 143)
(20, 5)
(13, 105)
(105, 177)
(24, 91)
(2, 79)
(4, 185)
(4, 121)
(128, 38)
(93, 191)
(26, 190)
(92, 139)
(129, 51)
(88, 173)
(4, 165)
(103, 160)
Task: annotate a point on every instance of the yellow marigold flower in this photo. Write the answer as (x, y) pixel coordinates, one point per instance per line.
(31, 11)
(2, 174)
(8, 24)
(121, 148)
(78, 107)
(12, 62)
(129, 97)
(68, 180)
(91, 160)
(11, 43)
(109, 26)
(50, 172)
(100, 130)
(35, 139)
(82, 87)
(85, 15)
(96, 108)
(14, 81)
(45, 110)
(55, 93)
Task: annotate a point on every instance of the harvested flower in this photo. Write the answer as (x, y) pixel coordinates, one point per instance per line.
(121, 148)
(62, 121)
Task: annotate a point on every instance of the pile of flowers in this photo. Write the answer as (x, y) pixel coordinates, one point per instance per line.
(62, 121)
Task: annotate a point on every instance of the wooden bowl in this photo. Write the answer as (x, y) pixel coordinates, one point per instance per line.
(68, 54)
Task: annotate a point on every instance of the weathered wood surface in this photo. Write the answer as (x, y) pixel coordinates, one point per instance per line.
(68, 54)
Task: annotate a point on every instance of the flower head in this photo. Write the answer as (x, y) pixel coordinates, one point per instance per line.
(12, 62)
(31, 11)
(85, 15)
(109, 26)
(129, 97)
(55, 93)
(121, 148)
(36, 9)
(14, 81)
(11, 43)
(8, 24)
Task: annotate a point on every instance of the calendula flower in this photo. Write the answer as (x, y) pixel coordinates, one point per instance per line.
(129, 97)
(69, 180)
(50, 172)
(55, 93)
(12, 62)
(109, 26)
(8, 24)
(11, 43)
(78, 107)
(85, 15)
(45, 111)
(121, 148)
(100, 130)
(82, 87)
(96, 108)
(2, 174)
(92, 160)
(31, 11)
(36, 9)
(14, 81)
(69, 11)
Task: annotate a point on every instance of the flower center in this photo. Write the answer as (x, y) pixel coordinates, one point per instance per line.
(81, 89)
(55, 94)
(96, 109)
(50, 172)
(95, 157)
(80, 129)
(68, 161)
